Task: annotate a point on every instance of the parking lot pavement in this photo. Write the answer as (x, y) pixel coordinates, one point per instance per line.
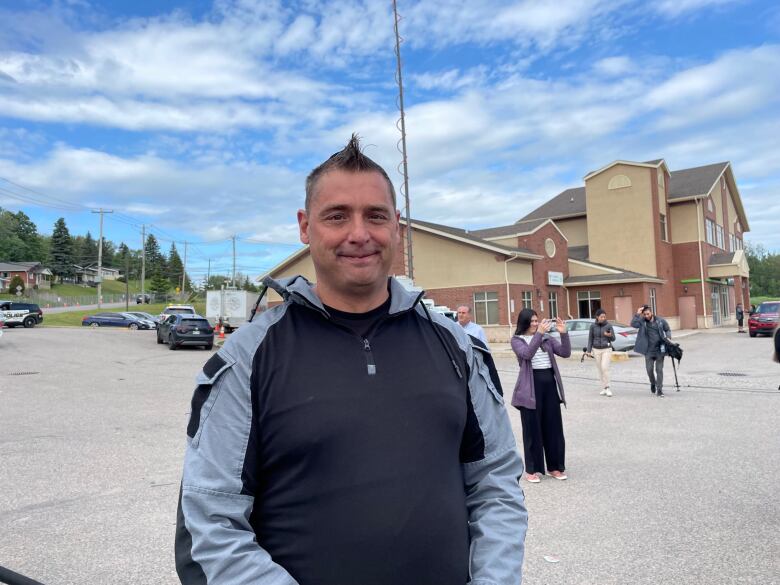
(679, 490)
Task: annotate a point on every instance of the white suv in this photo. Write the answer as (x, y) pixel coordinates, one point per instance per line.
(175, 310)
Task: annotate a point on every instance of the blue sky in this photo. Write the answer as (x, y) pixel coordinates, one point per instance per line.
(202, 118)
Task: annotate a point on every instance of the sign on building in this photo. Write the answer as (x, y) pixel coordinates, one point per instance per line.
(555, 278)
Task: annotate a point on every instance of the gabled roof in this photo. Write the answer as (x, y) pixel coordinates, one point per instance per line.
(695, 181)
(446, 231)
(520, 228)
(468, 238)
(649, 164)
(569, 203)
(19, 266)
(720, 259)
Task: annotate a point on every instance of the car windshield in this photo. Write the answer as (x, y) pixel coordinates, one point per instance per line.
(769, 308)
(198, 323)
(178, 311)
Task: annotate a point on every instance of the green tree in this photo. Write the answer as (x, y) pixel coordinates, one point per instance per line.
(175, 266)
(154, 258)
(12, 248)
(61, 251)
(159, 285)
(16, 281)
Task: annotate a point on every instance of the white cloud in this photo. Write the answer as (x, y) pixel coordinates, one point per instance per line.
(675, 8)
(614, 66)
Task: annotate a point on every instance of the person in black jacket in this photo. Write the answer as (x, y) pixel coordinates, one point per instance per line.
(600, 338)
(347, 436)
(651, 341)
(740, 314)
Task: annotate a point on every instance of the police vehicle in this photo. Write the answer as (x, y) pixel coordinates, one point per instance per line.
(24, 314)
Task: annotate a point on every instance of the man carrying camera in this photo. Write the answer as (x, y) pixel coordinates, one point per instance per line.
(652, 339)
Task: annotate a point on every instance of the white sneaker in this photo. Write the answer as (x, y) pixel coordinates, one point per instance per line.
(604, 392)
(607, 392)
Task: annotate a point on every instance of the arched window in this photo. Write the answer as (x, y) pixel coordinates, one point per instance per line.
(619, 182)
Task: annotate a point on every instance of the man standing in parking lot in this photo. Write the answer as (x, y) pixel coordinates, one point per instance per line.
(348, 436)
(651, 341)
(464, 318)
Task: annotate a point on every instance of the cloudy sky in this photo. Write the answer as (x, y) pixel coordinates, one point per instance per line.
(202, 118)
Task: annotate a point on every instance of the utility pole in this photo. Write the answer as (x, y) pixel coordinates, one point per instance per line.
(127, 280)
(208, 275)
(101, 211)
(399, 79)
(184, 271)
(234, 262)
(143, 262)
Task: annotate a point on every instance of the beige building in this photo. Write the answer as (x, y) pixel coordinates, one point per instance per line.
(636, 233)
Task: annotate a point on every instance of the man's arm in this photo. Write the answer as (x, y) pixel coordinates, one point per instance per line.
(215, 543)
(636, 321)
(498, 519)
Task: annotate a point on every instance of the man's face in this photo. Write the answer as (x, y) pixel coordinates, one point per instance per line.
(352, 231)
(647, 314)
(464, 316)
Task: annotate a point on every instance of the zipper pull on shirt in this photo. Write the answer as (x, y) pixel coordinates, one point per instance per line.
(370, 365)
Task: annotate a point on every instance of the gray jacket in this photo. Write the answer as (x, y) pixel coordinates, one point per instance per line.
(642, 341)
(220, 536)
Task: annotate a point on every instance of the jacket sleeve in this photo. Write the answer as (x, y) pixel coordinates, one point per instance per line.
(590, 338)
(498, 519)
(667, 329)
(562, 348)
(636, 321)
(215, 543)
(525, 350)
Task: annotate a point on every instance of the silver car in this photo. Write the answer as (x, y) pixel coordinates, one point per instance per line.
(625, 336)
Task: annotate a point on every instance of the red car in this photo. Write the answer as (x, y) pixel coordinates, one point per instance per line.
(765, 319)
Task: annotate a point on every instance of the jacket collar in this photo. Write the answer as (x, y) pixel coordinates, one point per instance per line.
(299, 289)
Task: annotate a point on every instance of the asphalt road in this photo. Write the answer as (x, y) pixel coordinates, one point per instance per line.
(676, 490)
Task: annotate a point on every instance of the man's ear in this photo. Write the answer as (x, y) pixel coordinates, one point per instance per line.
(303, 226)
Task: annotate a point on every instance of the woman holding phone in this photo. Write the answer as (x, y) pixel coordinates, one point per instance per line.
(538, 394)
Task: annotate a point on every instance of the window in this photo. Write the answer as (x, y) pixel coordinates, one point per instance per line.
(724, 302)
(552, 299)
(527, 302)
(486, 308)
(719, 234)
(652, 301)
(588, 302)
(664, 233)
(549, 247)
(740, 245)
(619, 182)
(709, 231)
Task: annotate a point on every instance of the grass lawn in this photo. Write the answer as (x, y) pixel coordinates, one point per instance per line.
(73, 318)
(758, 300)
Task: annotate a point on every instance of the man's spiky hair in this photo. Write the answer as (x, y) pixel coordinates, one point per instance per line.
(350, 159)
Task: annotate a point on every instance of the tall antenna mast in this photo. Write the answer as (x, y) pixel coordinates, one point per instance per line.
(401, 125)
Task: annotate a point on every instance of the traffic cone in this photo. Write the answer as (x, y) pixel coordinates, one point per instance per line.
(221, 331)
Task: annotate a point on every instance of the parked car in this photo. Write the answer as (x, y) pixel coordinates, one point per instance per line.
(176, 310)
(765, 319)
(114, 320)
(625, 336)
(141, 299)
(24, 314)
(145, 316)
(2, 324)
(184, 329)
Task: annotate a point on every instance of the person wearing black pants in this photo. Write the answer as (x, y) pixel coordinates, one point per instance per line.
(538, 394)
(543, 427)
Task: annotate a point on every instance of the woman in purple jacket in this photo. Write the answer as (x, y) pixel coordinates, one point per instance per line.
(538, 393)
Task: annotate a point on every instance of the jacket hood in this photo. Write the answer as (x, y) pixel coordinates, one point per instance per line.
(295, 288)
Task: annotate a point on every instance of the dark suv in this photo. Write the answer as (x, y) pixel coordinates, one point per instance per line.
(179, 330)
(24, 314)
